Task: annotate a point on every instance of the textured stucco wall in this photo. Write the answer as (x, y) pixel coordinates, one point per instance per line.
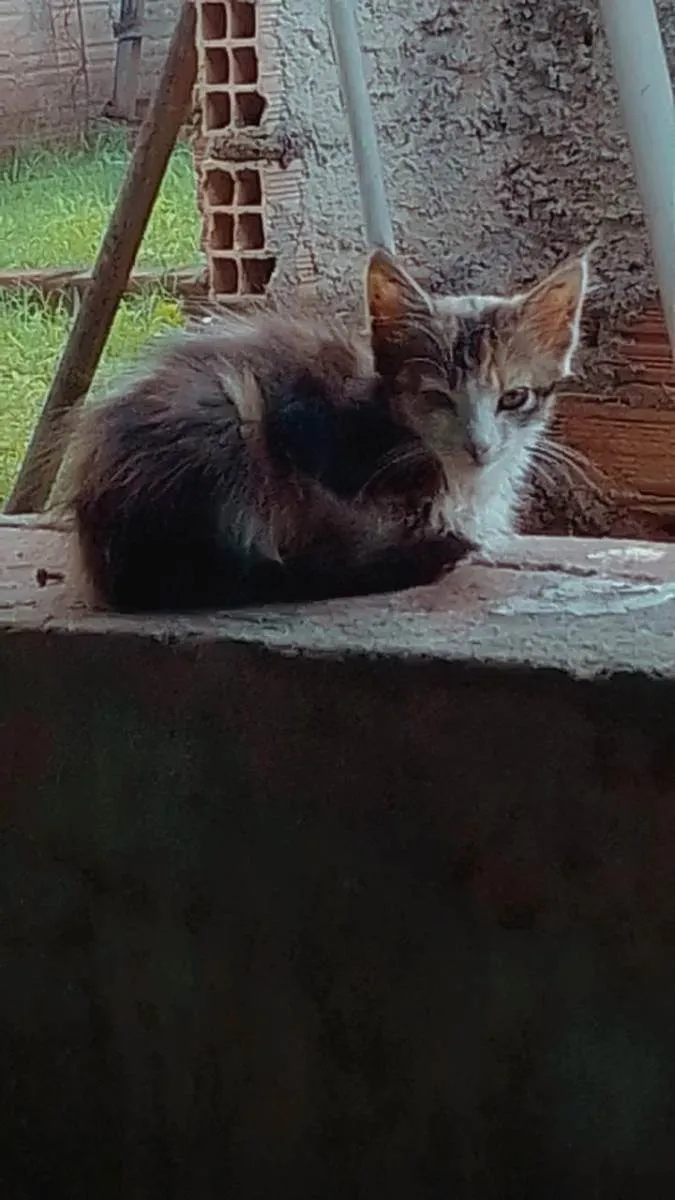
(500, 128)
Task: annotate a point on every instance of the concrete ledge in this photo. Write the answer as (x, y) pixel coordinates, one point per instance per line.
(366, 899)
(587, 607)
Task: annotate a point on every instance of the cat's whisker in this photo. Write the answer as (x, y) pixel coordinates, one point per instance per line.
(568, 451)
(541, 472)
(423, 361)
(570, 469)
(561, 468)
(395, 458)
(581, 470)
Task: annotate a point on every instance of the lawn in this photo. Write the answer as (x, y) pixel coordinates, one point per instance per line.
(54, 207)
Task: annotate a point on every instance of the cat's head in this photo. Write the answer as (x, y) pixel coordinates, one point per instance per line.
(475, 376)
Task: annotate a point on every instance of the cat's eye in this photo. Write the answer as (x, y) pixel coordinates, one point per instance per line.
(517, 400)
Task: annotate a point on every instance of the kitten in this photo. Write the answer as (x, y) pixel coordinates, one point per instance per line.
(475, 376)
(271, 461)
(262, 462)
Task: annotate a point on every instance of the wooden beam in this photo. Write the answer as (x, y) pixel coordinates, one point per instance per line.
(116, 257)
(187, 282)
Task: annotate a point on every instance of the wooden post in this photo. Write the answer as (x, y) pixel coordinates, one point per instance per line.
(129, 33)
(116, 257)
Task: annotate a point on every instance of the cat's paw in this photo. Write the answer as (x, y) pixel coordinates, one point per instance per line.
(434, 556)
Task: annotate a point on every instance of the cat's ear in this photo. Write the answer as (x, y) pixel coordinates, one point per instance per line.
(391, 293)
(549, 316)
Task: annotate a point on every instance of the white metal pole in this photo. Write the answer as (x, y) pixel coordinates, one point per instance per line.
(349, 62)
(646, 97)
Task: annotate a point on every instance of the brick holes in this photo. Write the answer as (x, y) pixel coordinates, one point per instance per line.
(218, 110)
(245, 65)
(214, 22)
(248, 189)
(249, 108)
(217, 66)
(219, 188)
(224, 276)
(256, 274)
(250, 234)
(222, 230)
(243, 19)
(229, 79)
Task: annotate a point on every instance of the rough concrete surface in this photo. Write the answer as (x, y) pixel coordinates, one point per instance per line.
(582, 606)
(501, 136)
(388, 914)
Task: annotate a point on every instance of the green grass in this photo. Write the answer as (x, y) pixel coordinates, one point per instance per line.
(31, 340)
(55, 205)
(54, 208)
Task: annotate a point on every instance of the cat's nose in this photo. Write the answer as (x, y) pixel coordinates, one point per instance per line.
(478, 450)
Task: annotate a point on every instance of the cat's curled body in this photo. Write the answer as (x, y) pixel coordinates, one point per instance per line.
(282, 458)
(255, 463)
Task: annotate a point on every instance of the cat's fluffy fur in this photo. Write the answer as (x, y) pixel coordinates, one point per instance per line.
(259, 462)
(281, 459)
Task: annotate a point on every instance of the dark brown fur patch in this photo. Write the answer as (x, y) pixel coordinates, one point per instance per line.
(261, 464)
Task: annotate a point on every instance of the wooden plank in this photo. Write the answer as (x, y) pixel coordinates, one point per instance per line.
(642, 352)
(187, 282)
(623, 424)
(634, 447)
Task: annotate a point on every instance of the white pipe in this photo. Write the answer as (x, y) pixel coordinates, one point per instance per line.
(646, 97)
(347, 52)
